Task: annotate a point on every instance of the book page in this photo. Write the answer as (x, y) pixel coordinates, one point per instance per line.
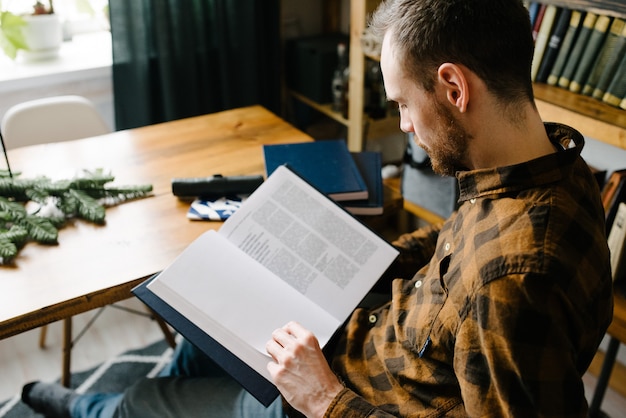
(310, 242)
(224, 292)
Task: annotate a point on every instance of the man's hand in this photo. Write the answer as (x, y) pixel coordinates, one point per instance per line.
(300, 370)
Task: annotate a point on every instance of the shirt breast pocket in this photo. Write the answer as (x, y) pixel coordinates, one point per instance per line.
(424, 321)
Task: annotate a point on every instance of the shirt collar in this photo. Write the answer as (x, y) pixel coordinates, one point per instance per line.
(514, 178)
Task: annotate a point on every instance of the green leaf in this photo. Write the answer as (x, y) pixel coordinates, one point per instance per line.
(16, 234)
(8, 250)
(68, 204)
(11, 34)
(114, 195)
(14, 187)
(88, 207)
(37, 195)
(58, 187)
(40, 229)
(14, 209)
(92, 179)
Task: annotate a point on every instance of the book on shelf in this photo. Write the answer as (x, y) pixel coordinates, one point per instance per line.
(538, 19)
(617, 247)
(327, 164)
(554, 45)
(608, 59)
(616, 91)
(288, 254)
(576, 53)
(543, 36)
(590, 53)
(613, 192)
(566, 46)
(369, 164)
(533, 9)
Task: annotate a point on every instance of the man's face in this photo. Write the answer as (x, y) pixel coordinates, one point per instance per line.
(434, 126)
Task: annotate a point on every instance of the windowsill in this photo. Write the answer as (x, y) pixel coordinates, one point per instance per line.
(85, 56)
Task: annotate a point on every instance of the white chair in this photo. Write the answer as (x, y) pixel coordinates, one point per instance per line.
(56, 119)
(52, 119)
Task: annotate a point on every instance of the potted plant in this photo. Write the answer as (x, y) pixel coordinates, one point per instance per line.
(43, 31)
(38, 34)
(11, 33)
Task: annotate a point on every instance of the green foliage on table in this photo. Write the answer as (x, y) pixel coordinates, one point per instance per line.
(55, 201)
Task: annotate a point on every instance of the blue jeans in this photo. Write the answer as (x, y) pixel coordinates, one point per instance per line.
(192, 385)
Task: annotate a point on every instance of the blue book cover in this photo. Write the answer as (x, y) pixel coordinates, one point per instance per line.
(533, 9)
(326, 164)
(370, 166)
(262, 389)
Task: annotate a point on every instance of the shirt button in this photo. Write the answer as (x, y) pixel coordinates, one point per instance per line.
(447, 246)
(473, 200)
(418, 284)
(372, 319)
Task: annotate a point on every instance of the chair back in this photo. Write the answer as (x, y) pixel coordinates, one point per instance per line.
(52, 119)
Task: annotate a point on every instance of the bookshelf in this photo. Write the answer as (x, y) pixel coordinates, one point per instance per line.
(592, 117)
(615, 8)
(612, 119)
(358, 123)
(578, 110)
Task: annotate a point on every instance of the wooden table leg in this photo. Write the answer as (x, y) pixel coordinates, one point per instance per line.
(42, 336)
(169, 337)
(67, 352)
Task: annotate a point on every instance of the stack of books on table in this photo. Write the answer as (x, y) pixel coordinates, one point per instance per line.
(352, 179)
(581, 51)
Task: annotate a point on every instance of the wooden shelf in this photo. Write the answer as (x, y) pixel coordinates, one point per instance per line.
(582, 104)
(323, 108)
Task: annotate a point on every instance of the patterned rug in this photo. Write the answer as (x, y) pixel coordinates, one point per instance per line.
(111, 376)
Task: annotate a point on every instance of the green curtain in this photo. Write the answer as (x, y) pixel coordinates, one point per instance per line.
(179, 58)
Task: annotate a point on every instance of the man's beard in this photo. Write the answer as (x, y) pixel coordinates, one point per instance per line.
(450, 145)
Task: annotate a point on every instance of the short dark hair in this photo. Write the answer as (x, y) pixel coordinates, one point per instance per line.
(493, 38)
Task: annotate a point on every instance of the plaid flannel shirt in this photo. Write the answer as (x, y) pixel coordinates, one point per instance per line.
(507, 315)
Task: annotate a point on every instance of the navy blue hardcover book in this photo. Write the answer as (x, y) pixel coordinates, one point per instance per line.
(326, 164)
(369, 164)
(261, 388)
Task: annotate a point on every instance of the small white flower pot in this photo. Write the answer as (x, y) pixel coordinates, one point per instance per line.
(44, 36)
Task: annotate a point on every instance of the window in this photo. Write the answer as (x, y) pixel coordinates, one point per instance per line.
(78, 16)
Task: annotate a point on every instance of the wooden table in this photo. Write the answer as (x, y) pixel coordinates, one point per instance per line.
(93, 266)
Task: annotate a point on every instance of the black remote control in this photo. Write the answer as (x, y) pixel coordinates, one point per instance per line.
(216, 185)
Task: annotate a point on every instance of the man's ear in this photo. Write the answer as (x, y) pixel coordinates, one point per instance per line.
(453, 79)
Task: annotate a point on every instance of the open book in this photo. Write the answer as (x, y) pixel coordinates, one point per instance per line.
(288, 254)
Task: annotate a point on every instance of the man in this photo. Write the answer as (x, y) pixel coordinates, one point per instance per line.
(506, 316)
